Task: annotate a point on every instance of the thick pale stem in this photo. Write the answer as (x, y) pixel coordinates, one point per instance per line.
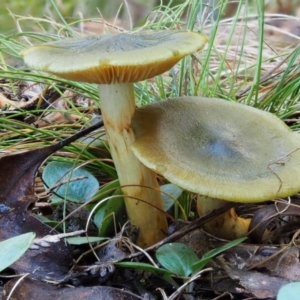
(118, 106)
(226, 226)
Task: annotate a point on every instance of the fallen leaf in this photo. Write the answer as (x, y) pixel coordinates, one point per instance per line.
(254, 283)
(17, 173)
(285, 265)
(61, 116)
(13, 248)
(30, 289)
(268, 214)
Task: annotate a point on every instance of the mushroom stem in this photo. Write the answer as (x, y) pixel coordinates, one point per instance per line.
(226, 226)
(148, 214)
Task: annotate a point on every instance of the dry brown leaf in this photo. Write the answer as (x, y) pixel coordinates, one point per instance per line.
(62, 116)
(254, 283)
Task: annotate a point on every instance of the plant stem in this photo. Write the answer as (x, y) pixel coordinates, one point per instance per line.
(118, 106)
(226, 226)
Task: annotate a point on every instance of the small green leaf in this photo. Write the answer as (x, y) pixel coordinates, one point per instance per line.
(289, 291)
(79, 240)
(144, 267)
(55, 200)
(100, 213)
(112, 210)
(171, 192)
(199, 265)
(177, 258)
(47, 221)
(105, 191)
(163, 273)
(12, 249)
(80, 190)
(96, 140)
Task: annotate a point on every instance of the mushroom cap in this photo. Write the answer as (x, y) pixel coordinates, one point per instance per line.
(218, 148)
(116, 58)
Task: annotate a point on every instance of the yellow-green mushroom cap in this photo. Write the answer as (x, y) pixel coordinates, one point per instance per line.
(116, 58)
(218, 148)
(115, 62)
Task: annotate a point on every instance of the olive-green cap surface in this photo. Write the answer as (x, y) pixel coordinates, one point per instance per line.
(116, 58)
(218, 148)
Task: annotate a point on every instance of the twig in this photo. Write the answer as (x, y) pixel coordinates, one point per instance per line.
(266, 75)
(188, 228)
(279, 161)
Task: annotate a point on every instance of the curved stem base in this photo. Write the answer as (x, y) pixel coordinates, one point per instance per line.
(118, 106)
(226, 226)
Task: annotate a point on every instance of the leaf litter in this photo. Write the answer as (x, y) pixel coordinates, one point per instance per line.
(249, 270)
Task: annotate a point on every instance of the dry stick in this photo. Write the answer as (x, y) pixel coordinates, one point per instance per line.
(53, 187)
(280, 184)
(277, 161)
(266, 75)
(280, 181)
(175, 236)
(292, 242)
(278, 213)
(182, 287)
(16, 285)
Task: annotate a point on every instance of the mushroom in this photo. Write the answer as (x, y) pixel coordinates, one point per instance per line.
(221, 150)
(228, 225)
(115, 62)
